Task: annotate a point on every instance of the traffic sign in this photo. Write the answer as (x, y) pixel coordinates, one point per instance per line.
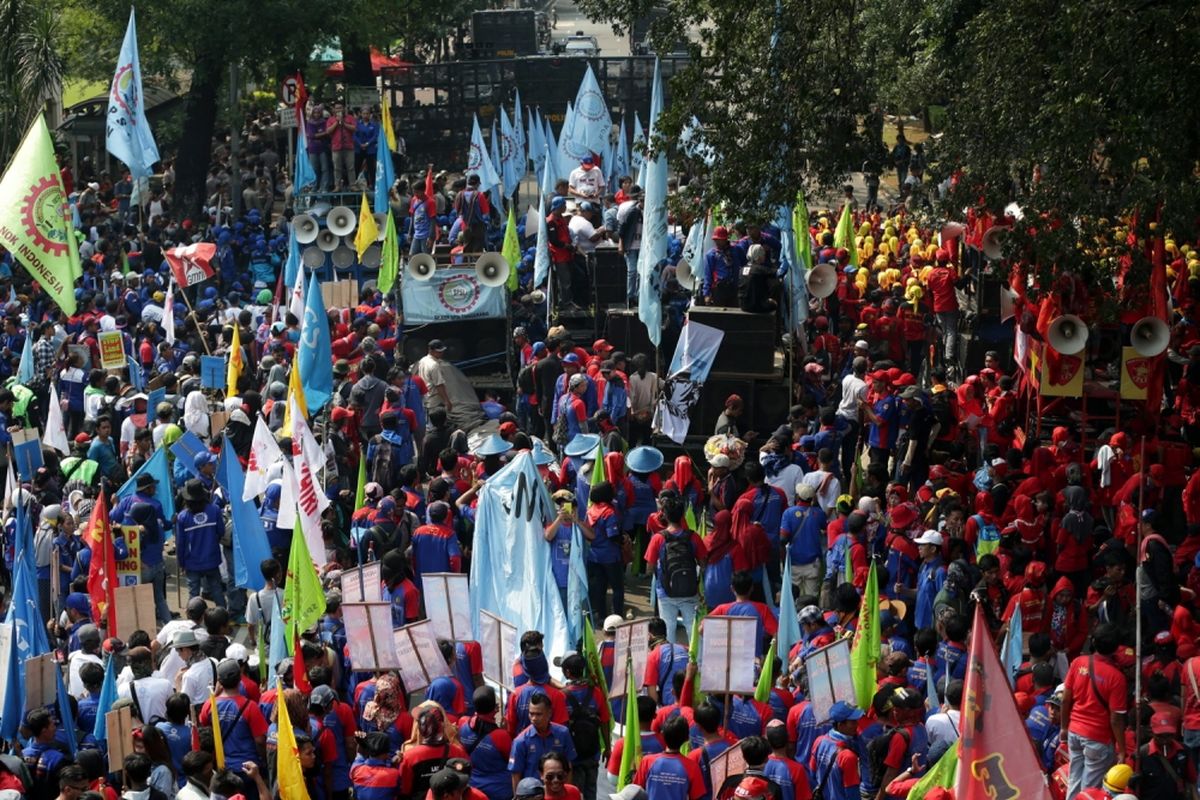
(287, 117)
(289, 91)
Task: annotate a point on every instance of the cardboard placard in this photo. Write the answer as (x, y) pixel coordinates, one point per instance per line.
(212, 372)
(829, 678)
(730, 762)
(135, 610)
(340, 294)
(153, 398)
(6, 653)
(120, 737)
(156, 383)
(363, 584)
(217, 420)
(727, 655)
(632, 638)
(129, 570)
(185, 448)
(448, 603)
(41, 684)
(421, 661)
(27, 451)
(498, 640)
(112, 350)
(367, 629)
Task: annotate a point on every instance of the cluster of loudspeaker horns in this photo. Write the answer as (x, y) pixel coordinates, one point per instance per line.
(1149, 336)
(336, 237)
(491, 269)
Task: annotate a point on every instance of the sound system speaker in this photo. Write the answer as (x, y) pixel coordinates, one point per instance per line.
(465, 340)
(749, 344)
(608, 278)
(625, 332)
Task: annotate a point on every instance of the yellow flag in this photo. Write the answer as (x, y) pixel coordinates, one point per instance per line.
(218, 739)
(385, 122)
(368, 231)
(34, 220)
(296, 391)
(234, 370)
(844, 235)
(288, 771)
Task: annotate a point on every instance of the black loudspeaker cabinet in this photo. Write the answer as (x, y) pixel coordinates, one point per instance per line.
(625, 332)
(766, 402)
(465, 340)
(608, 278)
(749, 344)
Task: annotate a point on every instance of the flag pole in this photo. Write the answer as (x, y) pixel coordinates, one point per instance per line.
(195, 321)
(1137, 642)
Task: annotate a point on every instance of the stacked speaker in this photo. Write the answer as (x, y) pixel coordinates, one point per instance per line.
(328, 234)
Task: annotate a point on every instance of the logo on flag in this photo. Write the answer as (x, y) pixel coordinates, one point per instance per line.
(125, 95)
(191, 264)
(590, 105)
(459, 295)
(475, 161)
(43, 211)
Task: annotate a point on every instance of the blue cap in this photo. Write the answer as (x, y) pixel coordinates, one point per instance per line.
(844, 712)
(571, 358)
(558, 202)
(539, 348)
(587, 160)
(203, 458)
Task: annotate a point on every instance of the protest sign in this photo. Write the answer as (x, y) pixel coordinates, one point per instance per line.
(185, 449)
(120, 737)
(340, 294)
(41, 686)
(112, 350)
(730, 762)
(727, 655)
(129, 570)
(448, 603)
(498, 640)
(362, 585)
(633, 639)
(153, 398)
(212, 372)
(421, 661)
(135, 609)
(27, 451)
(829, 678)
(367, 629)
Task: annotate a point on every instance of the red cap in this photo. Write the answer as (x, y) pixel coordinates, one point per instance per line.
(902, 516)
(1163, 723)
(894, 374)
(720, 234)
(82, 438)
(752, 787)
(601, 346)
(906, 379)
(508, 428)
(880, 375)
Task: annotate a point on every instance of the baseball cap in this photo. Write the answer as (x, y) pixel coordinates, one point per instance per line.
(805, 491)
(930, 537)
(861, 344)
(437, 344)
(449, 780)
(612, 621)
(228, 669)
(527, 787)
(841, 711)
(1163, 723)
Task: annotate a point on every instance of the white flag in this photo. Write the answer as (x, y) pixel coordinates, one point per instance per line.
(307, 459)
(296, 305)
(168, 319)
(264, 452)
(56, 433)
(287, 499)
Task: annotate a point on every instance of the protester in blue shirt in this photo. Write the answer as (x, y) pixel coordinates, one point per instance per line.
(834, 764)
(541, 737)
(199, 529)
(489, 746)
(802, 529)
(559, 534)
(605, 568)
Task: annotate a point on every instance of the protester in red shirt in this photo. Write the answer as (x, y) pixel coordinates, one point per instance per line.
(1093, 711)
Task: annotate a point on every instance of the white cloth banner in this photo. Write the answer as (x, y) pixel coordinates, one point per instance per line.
(451, 294)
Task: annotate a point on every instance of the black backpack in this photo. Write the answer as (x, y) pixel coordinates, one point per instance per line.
(679, 566)
(384, 464)
(877, 750)
(584, 725)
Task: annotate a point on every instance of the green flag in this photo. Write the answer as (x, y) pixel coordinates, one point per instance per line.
(631, 749)
(389, 257)
(942, 774)
(360, 492)
(303, 595)
(844, 235)
(800, 227)
(689, 517)
(35, 225)
(766, 677)
(694, 651)
(511, 249)
(599, 470)
(595, 669)
(849, 568)
(864, 653)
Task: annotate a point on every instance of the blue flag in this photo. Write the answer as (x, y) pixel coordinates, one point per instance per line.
(1011, 652)
(512, 167)
(499, 165)
(292, 266)
(569, 150)
(654, 225)
(593, 122)
(385, 174)
(250, 547)
(128, 135)
(135, 375)
(619, 164)
(479, 162)
(304, 175)
(277, 648)
(551, 144)
(541, 261)
(577, 586)
(156, 467)
(789, 623)
(792, 270)
(108, 696)
(184, 450)
(316, 351)
(637, 154)
(25, 367)
(537, 146)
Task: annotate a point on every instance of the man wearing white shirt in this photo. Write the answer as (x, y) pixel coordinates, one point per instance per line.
(584, 233)
(824, 481)
(943, 726)
(148, 692)
(586, 182)
(89, 646)
(854, 390)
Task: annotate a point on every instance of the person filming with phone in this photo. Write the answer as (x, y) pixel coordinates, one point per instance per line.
(560, 533)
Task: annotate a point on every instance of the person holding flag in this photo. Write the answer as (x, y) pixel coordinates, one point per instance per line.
(238, 723)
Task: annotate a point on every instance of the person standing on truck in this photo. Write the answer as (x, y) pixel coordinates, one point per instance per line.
(586, 182)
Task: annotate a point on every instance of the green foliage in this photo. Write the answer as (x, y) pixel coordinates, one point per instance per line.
(31, 66)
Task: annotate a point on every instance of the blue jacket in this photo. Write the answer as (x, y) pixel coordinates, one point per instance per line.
(198, 538)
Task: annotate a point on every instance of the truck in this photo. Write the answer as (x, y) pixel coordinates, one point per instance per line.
(504, 33)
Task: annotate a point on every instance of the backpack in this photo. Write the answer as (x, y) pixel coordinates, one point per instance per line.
(385, 462)
(482, 728)
(560, 424)
(989, 536)
(679, 566)
(877, 750)
(525, 380)
(942, 411)
(584, 725)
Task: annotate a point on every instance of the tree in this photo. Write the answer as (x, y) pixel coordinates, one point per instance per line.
(31, 67)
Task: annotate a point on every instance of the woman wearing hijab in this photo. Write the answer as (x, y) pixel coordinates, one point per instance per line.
(683, 480)
(1074, 540)
(725, 557)
(386, 712)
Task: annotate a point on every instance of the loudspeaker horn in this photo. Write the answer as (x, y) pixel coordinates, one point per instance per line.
(1068, 334)
(1015, 211)
(952, 230)
(683, 274)
(328, 241)
(822, 280)
(1008, 304)
(421, 266)
(343, 257)
(319, 209)
(1150, 336)
(993, 241)
(381, 224)
(313, 257)
(306, 228)
(372, 257)
(341, 220)
(491, 269)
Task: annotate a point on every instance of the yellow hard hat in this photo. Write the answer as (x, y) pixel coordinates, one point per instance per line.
(1117, 777)
(864, 229)
(889, 230)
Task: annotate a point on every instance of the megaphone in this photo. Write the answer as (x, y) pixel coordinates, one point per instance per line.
(952, 230)
(683, 274)
(381, 224)
(306, 228)
(1150, 336)
(822, 280)
(343, 257)
(1068, 335)
(328, 241)
(313, 257)
(372, 257)
(421, 266)
(319, 210)
(341, 220)
(993, 240)
(491, 269)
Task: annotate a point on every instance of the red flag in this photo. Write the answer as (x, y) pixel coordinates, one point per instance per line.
(299, 671)
(102, 573)
(993, 762)
(301, 96)
(191, 264)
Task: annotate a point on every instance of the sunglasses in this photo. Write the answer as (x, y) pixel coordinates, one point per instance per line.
(556, 776)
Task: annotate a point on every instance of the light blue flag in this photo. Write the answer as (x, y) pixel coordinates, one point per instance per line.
(511, 573)
(789, 623)
(577, 587)
(25, 368)
(496, 151)
(593, 122)
(793, 271)
(541, 261)
(250, 547)
(537, 145)
(304, 175)
(932, 703)
(108, 696)
(316, 350)
(691, 143)
(637, 153)
(478, 161)
(128, 135)
(292, 266)
(654, 225)
(156, 467)
(693, 245)
(620, 158)
(277, 648)
(385, 174)
(1011, 652)
(512, 159)
(135, 375)
(570, 152)
(76, 220)
(695, 352)
(551, 144)
(520, 143)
